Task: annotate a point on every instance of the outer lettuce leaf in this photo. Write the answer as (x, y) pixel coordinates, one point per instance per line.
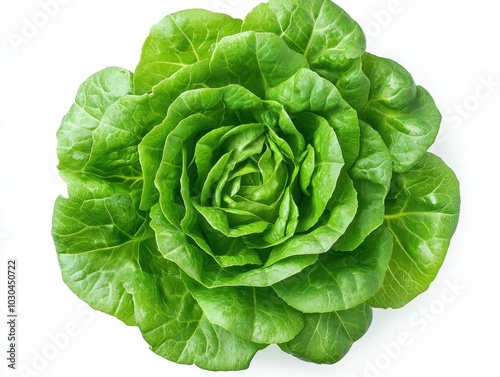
(97, 232)
(179, 40)
(327, 337)
(115, 153)
(331, 41)
(422, 214)
(257, 61)
(101, 132)
(403, 113)
(176, 327)
(94, 97)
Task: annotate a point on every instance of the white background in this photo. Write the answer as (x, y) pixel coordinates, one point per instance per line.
(450, 47)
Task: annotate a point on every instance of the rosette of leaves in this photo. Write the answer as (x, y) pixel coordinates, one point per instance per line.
(254, 182)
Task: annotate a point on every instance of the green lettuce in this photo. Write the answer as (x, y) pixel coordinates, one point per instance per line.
(254, 182)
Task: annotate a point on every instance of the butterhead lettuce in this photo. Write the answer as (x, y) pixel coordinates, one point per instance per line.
(253, 182)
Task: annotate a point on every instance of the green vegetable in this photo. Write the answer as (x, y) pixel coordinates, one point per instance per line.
(253, 182)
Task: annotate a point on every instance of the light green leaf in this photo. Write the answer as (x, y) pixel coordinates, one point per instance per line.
(228, 252)
(205, 153)
(191, 77)
(327, 337)
(307, 170)
(350, 81)
(257, 61)
(191, 113)
(98, 232)
(115, 141)
(179, 40)
(403, 113)
(218, 219)
(422, 213)
(95, 96)
(328, 37)
(290, 141)
(286, 223)
(340, 280)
